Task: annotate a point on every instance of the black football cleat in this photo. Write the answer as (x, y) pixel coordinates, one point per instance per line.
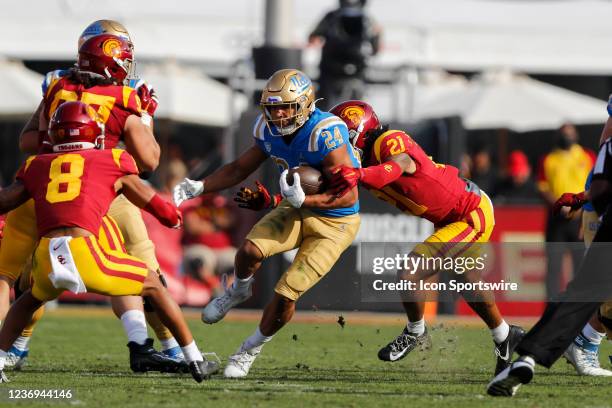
(504, 350)
(403, 344)
(508, 381)
(202, 370)
(145, 358)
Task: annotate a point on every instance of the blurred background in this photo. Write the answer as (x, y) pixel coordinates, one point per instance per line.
(494, 87)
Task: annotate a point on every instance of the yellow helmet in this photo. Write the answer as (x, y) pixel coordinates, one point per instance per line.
(105, 27)
(294, 89)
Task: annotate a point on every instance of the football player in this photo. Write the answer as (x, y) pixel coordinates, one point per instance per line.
(72, 189)
(396, 170)
(292, 132)
(104, 63)
(583, 353)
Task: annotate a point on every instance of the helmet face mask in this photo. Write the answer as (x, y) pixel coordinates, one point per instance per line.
(287, 101)
(76, 126)
(107, 55)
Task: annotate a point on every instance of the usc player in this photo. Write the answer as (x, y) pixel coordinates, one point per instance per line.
(103, 65)
(395, 169)
(72, 189)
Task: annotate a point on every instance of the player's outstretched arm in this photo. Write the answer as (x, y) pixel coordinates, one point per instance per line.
(143, 196)
(224, 177)
(12, 197)
(140, 142)
(29, 139)
(344, 178)
(329, 199)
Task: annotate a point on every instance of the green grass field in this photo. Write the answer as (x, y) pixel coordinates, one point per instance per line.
(307, 364)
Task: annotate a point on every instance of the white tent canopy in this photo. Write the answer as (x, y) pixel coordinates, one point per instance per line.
(19, 89)
(187, 95)
(535, 36)
(501, 99)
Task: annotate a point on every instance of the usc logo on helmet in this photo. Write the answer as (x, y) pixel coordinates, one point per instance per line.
(111, 47)
(353, 113)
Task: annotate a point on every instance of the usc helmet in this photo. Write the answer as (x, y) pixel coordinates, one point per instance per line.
(107, 55)
(99, 27)
(76, 126)
(292, 89)
(360, 118)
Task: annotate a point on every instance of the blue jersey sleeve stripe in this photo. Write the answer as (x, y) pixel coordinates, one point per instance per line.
(258, 129)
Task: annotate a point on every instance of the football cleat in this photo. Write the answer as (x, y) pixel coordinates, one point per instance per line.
(145, 358)
(218, 307)
(16, 358)
(239, 364)
(503, 351)
(584, 356)
(506, 383)
(3, 377)
(403, 344)
(174, 352)
(202, 370)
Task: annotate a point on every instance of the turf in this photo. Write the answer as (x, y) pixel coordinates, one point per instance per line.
(307, 364)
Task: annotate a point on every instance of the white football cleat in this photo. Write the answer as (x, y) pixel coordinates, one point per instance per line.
(15, 358)
(239, 364)
(218, 307)
(584, 356)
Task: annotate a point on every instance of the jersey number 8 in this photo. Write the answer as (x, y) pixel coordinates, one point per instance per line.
(65, 174)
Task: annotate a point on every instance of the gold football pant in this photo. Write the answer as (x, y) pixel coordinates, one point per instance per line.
(321, 241)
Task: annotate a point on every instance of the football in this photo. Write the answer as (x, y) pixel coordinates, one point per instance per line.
(311, 179)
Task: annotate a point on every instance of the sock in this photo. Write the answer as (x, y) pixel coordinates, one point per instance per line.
(135, 326)
(192, 353)
(500, 333)
(169, 343)
(241, 285)
(592, 335)
(21, 343)
(254, 343)
(417, 327)
(2, 359)
(528, 359)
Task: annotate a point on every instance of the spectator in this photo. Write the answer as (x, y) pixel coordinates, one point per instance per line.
(208, 251)
(518, 186)
(350, 38)
(563, 170)
(483, 174)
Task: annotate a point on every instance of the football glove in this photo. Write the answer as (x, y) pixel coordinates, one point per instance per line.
(186, 190)
(574, 201)
(257, 200)
(148, 97)
(343, 179)
(293, 193)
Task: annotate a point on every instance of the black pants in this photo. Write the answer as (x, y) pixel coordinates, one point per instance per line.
(562, 320)
(562, 234)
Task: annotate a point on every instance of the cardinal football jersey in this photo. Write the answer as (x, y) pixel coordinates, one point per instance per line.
(74, 189)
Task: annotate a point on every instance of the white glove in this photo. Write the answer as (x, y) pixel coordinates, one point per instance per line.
(186, 190)
(293, 193)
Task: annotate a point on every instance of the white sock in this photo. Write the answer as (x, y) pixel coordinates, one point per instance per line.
(169, 343)
(255, 342)
(592, 335)
(500, 333)
(2, 359)
(22, 343)
(417, 327)
(135, 326)
(242, 285)
(192, 353)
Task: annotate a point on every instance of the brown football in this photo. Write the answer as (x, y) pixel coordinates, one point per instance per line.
(311, 179)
